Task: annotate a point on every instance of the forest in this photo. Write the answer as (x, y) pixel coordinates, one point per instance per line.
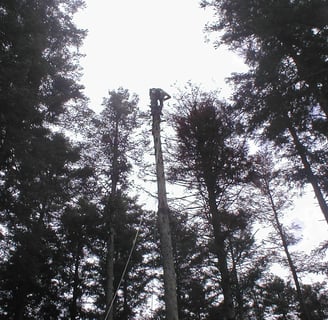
(79, 237)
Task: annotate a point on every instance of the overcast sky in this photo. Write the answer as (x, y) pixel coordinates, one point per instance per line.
(157, 43)
(149, 43)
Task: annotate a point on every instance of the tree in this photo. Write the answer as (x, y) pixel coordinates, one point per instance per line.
(316, 300)
(130, 269)
(279, 298)
(80, 225)
(108, 150)
(210, 155)
(268, 180)
(157, 97)
(249, 263)
(284, 94)
(39, 76)
(38, 70)
(191, 257)
(31, 217)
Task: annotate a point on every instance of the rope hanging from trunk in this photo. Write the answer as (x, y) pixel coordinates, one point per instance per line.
(125, 269)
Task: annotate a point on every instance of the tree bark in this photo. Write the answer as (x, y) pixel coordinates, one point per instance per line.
(170, 285)
(222, 256)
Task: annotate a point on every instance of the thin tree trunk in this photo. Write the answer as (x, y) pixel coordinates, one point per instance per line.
(170, 285)
(76, 279)
(222, 256)
(110, 274)
(308, 171)
(238, 291)
(304, 311)
(110, 290)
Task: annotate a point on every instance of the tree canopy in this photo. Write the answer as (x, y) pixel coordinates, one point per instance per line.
(78, 236)
(284, 94)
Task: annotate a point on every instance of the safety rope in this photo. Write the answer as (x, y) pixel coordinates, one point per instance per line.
(125, 268)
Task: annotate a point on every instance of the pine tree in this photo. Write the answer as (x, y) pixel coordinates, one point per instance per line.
(268, 180)
(39, 74)
(108, 149)
(32, 216)
(190, 257)
(79, 235)
(210, 155)
(284, 94)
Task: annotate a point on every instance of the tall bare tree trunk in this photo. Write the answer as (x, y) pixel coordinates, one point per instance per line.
(170, 285)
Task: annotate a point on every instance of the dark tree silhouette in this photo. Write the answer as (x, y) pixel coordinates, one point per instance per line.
(284, 95)
(210, 155)
(39, 75)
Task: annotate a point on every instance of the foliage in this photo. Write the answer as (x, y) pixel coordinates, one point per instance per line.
(64, 204)
(284, 94)
(210, 155)
(39, 75)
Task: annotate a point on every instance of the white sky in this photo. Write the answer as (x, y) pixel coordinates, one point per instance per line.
(149, 43)
(157, 43)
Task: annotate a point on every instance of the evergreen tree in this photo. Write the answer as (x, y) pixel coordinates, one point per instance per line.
(39, 74)
(107, 150)
(269, 181)
(279, 299)
(248, 264)
(130, 269)
(38, 70)
(31, 218)
(210, 155)
(191, 258)
(284, 94)
(316, 300)
(80, 226)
